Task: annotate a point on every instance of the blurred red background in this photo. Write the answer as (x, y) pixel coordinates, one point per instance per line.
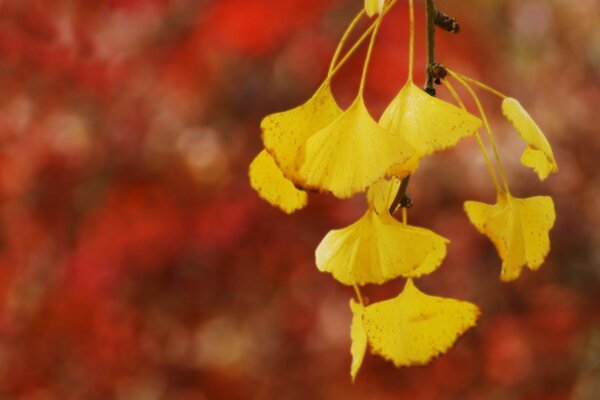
(137, 263)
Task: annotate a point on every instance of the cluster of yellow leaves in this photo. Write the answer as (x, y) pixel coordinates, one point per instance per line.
(519, 228)
(412, 328)
(318, 146)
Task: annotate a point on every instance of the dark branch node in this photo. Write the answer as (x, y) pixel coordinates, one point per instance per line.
(437, 72)
(430, 90)
(446, 22)
(405, 202)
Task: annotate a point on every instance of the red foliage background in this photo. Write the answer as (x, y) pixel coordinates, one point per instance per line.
(136, 262)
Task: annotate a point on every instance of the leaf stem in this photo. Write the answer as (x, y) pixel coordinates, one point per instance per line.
(343, 41)
(401, 199)
(486, 156)
(359, 41)
(411, 39)
(363, 79)
(430, 8)
(487, 127)
(482, 85)
(359, 295)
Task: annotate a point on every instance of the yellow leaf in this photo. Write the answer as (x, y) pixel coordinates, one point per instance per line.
(426, 123)
(518, 228)
(285, 132)
(373, 7)
(413, 328)
(538, 154)
(272, 186)
(359, 338)
(350, 153)
(480, 213)
(381, 194)
(378, 248)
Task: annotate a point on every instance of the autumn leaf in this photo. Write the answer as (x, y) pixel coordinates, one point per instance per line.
(351, 153)
(538, 154)
(412, 328)
(426, 123)
(518, 228)
(378, 248)
(284, 133)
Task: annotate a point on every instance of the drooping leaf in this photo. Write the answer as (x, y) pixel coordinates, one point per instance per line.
(350, 153)
(272, 186)
(359, 338)
(538, 154)
(413, 328)
(284, 133)
(426, 123)
(519, 229)
(378, 248)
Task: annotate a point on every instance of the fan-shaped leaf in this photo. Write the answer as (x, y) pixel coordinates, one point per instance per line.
(378, 248)
(426, 123)
(518, 228)
(413, 328)
(285, 132)
(351, 153)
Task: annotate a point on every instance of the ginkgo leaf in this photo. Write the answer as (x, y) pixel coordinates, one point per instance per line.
(378, 248)
(426, 123)
(538, 154)
(359, 338)
(413, 328)
(381, 194)
(272, 186)
(284, 133)
(373, 7)
(350, 153)
(518, 228)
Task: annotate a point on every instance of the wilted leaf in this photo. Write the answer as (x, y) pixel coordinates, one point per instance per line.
(538, 154)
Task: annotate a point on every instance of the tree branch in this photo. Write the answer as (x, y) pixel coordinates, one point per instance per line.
(431, 14)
